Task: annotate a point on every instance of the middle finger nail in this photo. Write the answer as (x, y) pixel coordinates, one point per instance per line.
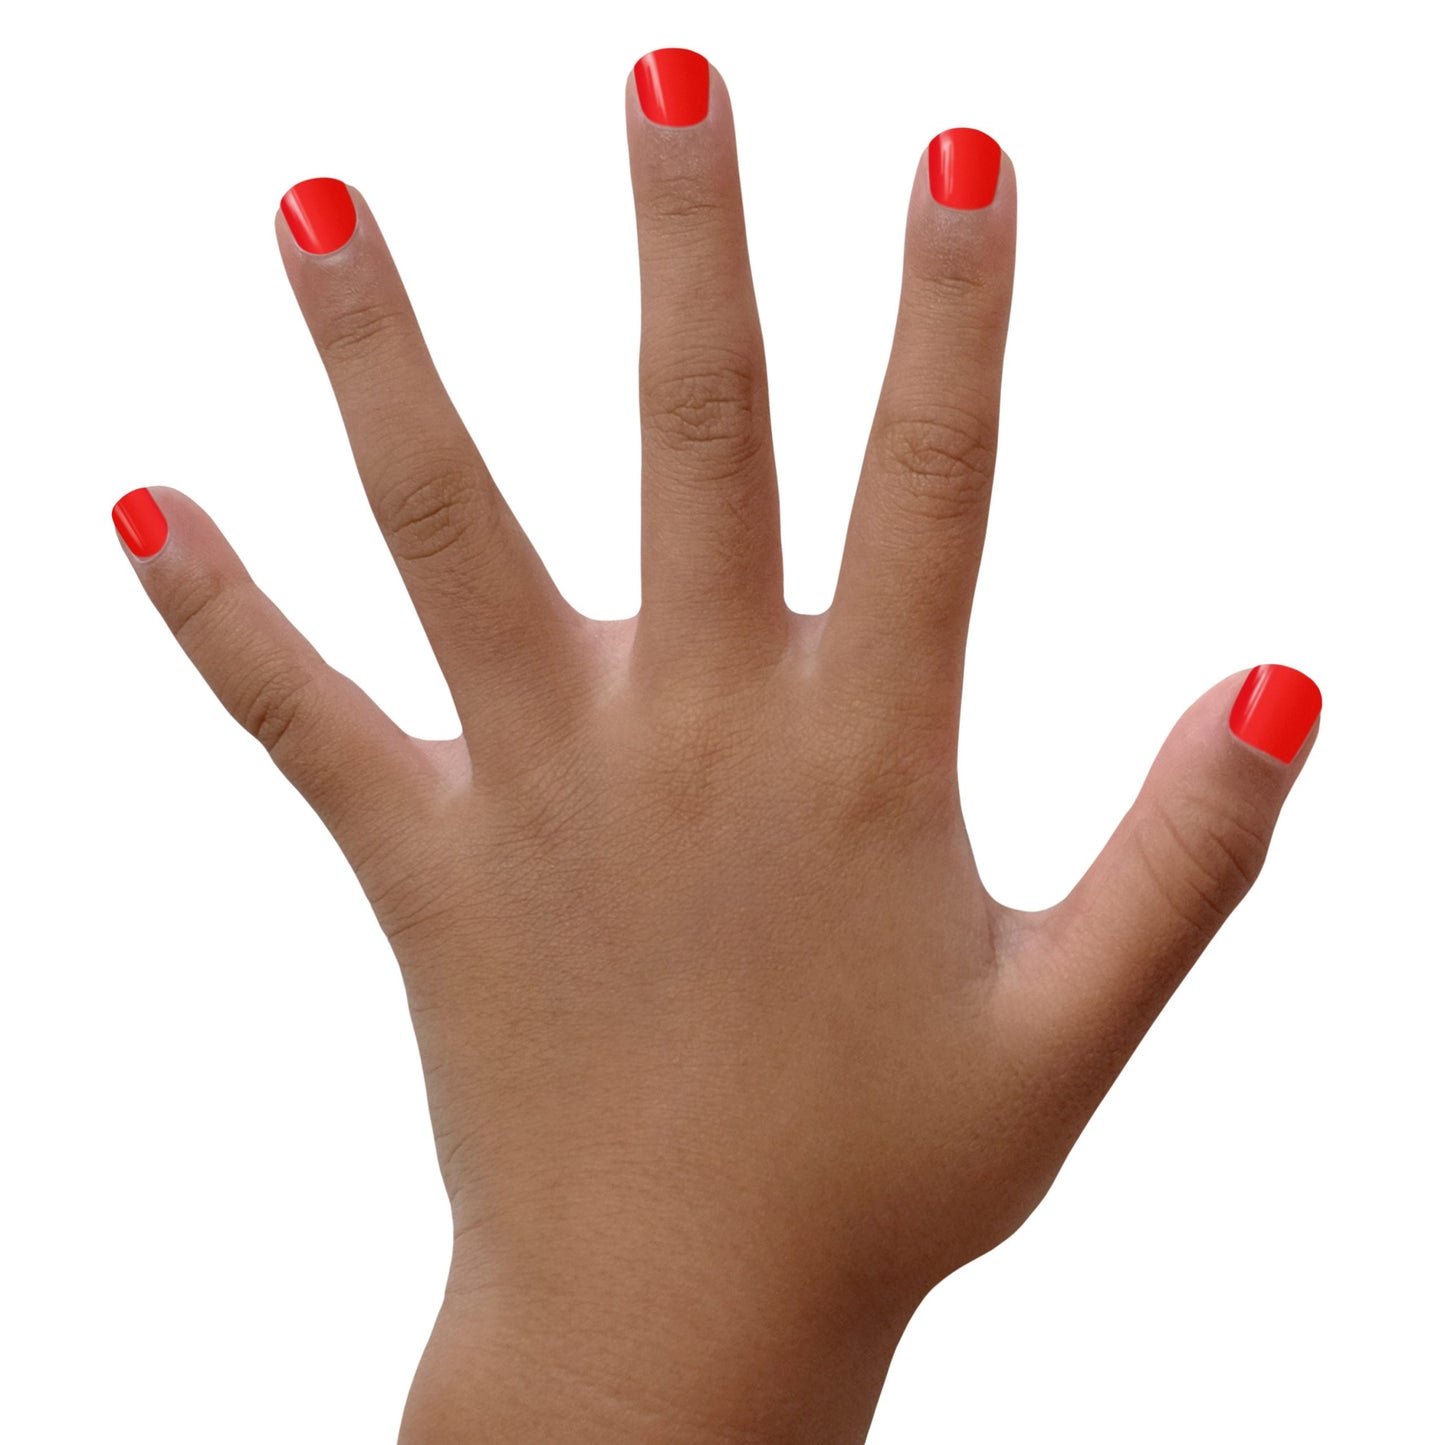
(672, 86)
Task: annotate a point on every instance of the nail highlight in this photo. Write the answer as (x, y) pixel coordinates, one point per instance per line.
(963, 168)
(140, 522)
(320, 214)
(1275, 710)
(672, 86)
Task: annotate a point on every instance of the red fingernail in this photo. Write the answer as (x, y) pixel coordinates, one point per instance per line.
(140, 522)
(1275, 710)
(963, 168)
(320, 214)
(672, 86)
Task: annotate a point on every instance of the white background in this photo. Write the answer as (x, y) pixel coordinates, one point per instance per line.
(222, 1217)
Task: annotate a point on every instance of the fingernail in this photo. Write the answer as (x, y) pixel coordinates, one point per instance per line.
(320, 214)
(1275, 710)
(963, 168)
(140, 522)
(672, 86)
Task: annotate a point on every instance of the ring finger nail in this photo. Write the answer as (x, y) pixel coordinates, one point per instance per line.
(320, 214)
(963, 168)
(672, 86)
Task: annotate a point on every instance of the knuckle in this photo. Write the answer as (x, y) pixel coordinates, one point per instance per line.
(433, 507)
(892, 799)
(963, 289)
(691, 750)
(1211, 857)
(270, 705)
(195, 605)
(707, 401)
(867, 767)
(685, 200)
(966, 290)
(944, 461)
(358, 332)
(687, 758)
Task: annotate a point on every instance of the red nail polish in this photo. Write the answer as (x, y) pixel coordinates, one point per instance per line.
(140, 522)
(1275, 710)
(672, 86)
(963, 168)
(320, 214)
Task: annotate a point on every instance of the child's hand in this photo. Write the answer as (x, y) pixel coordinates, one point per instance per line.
(730, 1056)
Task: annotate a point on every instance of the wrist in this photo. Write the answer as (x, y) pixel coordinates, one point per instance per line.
(678, 1355)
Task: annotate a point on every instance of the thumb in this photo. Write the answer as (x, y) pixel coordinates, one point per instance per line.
(1099, 967)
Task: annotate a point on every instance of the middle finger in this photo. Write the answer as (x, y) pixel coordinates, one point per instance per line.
(712, 565)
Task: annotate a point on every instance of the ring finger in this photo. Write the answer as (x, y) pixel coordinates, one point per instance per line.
(495, 620)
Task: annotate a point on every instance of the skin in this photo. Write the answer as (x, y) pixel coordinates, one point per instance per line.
(730, 1056)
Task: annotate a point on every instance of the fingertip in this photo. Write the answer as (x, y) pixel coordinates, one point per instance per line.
(674, 86)
(1276, 709)
(320, 214)
(962, 212)
(963, 168)
(141, 523)
(1008, 184)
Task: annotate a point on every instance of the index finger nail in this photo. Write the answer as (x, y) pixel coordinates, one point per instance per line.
(963, 168)
(320, 214)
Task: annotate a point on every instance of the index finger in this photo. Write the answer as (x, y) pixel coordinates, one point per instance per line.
(899, 620)
(498, 625)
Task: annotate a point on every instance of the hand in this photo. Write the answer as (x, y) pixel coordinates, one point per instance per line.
(730, 1056)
